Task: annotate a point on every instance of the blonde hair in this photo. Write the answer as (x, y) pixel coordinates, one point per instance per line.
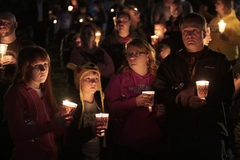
(142, 44)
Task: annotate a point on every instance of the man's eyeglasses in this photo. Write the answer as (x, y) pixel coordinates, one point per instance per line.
(41, 67)
(189, 32)
(136, 54)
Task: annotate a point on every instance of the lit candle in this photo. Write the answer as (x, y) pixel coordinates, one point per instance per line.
(221, 26)
(114, 22)
(70, 8)
(80, 20)
(97, 37)
(68, 107)
(3, 51)
(154, 39)
(54, 21)
(112, 10)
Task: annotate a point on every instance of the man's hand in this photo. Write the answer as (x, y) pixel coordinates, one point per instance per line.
(8, 59)
(184, 95)
(195, 102)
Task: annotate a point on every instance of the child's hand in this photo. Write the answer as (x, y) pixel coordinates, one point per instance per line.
(97, 130)
(63, 120)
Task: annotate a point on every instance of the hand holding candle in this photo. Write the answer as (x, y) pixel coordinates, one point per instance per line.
(154, 39)
(101, 123)
(68, 107)
(150, 96)
(221, 26)
(3, 51)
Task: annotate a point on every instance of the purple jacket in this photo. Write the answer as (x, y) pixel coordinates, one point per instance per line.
(133, 127)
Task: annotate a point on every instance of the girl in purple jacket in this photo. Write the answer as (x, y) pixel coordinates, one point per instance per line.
(136, 131)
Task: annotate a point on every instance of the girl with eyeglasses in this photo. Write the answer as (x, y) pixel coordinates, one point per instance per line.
(136, 129)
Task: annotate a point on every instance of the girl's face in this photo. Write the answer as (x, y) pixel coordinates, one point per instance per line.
(89, 83)
(137, 58)
(87, 35)
(39, 72)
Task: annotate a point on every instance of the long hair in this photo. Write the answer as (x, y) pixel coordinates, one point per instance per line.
(142, 44)
(26, 57)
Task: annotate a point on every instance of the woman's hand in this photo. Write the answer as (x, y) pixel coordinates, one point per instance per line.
(144, 100)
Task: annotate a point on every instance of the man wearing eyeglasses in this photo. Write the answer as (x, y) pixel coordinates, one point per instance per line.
(196, 126)
(114, 43)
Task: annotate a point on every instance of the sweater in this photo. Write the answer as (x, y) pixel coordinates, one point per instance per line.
(133, 127)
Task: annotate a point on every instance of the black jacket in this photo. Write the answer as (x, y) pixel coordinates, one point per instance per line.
(208, 120)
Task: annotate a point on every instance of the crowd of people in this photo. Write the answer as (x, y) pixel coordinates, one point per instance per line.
(112, 52)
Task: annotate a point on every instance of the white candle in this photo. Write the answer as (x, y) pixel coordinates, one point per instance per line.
(221, 26)
(70, 8)
(98, 37)
(154, 39)
(3, 51)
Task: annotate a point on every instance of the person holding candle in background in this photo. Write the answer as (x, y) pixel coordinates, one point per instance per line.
(90, 52)
(196, 127)
(33, 116)
(8, 26)
(114, 42)
(228, 41)
(82, 140)
(137, 131)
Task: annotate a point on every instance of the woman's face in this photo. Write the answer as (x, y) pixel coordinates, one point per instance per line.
(89, 83)
(137, 58)
(39, 72)
(219, 6)
(87, 35)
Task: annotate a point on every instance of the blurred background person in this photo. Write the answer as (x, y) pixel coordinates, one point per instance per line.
(207, 9)
(88, 51)
(38, 21)
(8, 26)
(136, 23)
(64, 21)
(114, 43)
(161, 12)
(228, 41)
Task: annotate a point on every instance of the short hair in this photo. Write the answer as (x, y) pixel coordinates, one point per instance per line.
(8, 16)
(228, 3)
(123, 13)
(194, 17)
(90, 25)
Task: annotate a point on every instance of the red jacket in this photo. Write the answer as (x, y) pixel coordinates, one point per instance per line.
(30, 124)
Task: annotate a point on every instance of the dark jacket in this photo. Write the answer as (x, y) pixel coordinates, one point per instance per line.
(75, 137)
(210, 119)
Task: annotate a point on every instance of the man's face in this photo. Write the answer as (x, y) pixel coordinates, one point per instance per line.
(192, 35)
(123, 23)
(7, 27)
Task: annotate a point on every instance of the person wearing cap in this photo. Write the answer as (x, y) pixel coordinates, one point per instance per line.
(34, 118)
(83, 140)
